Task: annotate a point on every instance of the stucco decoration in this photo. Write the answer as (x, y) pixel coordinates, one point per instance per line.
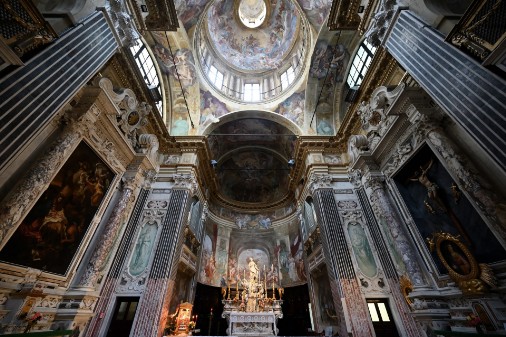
(123, 22)
(355, 177)
(319, 181)
(185, 181)
(381, 21)
(259, 49)
(357, 144)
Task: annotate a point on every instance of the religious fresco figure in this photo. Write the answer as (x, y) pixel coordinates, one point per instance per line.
(362, 250)
(143, 248)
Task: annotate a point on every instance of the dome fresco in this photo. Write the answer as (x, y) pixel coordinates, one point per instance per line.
(259, 49)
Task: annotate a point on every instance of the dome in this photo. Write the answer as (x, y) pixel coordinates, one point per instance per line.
(252, 43)
(260, 49)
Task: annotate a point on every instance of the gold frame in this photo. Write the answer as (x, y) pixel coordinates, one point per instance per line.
(446, 238)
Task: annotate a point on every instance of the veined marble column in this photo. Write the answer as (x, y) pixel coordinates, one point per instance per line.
(98, 260)
(154, 304)
(375, 190)
(39, 176)
(343, 281)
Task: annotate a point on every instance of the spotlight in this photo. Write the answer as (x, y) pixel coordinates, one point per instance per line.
(291, 163)
(214, 163)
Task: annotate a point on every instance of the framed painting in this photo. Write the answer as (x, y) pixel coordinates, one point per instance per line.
(436, 204)
(52, 231)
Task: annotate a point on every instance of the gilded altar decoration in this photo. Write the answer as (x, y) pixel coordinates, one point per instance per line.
(469, 275)
(252, 311)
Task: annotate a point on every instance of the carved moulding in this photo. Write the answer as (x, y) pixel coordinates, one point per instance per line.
(319, 181)
(471, 278)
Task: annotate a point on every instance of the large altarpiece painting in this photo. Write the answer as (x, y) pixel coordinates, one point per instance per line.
(50, 234)
(437, 204)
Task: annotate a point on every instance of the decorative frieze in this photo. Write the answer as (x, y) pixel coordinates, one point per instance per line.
(185, 181)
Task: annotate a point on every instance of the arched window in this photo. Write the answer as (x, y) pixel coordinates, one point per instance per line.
(147, 68)
(309, 214)
(360, 64)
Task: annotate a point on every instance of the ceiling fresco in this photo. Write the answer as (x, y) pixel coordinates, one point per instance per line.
(253, 176)
(259, 49)
(252, 157)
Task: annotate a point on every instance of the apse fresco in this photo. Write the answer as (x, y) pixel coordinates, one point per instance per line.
(260, 49)
(293, 108)
(50, 234)
(226, 255)
(442, 207)
(210, 109)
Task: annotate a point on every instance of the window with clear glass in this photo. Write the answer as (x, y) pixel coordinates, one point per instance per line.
(251, 92)
(147, 68)
(216, 77)
(361, 64)
(287, 78)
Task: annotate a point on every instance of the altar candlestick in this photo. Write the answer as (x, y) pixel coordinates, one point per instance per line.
(265, 286)
(273, 291)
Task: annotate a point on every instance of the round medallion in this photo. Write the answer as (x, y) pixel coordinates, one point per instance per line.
(133, 118)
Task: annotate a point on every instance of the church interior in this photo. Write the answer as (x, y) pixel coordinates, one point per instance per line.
(253, 168)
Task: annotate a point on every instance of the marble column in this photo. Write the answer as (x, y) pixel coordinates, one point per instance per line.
(382, 207)
(101, 252)
(343, 281)
(154, 304)
(39, 176)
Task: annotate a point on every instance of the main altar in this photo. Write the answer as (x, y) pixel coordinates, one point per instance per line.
(251, 312)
